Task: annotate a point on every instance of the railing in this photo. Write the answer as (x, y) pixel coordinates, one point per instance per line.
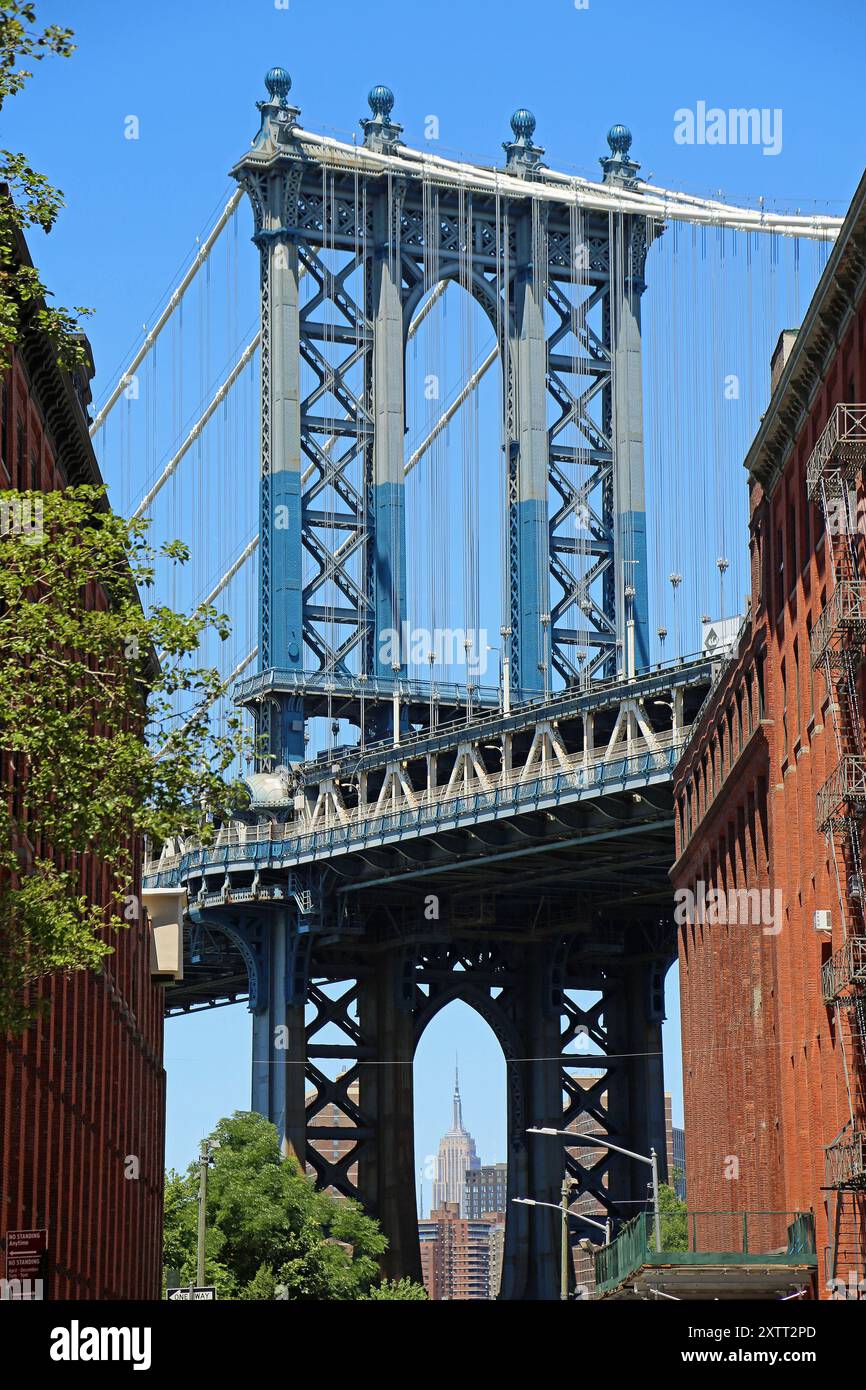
(527, 706)
(845, 969)
(845, 787)
(708, 1238)
(361, 823)
(845, 1160)
(841, 446)
(843, 617)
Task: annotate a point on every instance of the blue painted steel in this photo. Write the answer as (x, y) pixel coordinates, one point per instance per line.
(389, 578)
(532, 526)
(632, 545)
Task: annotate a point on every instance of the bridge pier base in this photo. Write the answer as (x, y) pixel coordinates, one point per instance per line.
(386, 1182)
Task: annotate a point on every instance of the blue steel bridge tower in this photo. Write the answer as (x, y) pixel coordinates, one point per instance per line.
(512, 854)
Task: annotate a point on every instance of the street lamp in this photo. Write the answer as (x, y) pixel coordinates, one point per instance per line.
(567, 1185)
(596, 1141)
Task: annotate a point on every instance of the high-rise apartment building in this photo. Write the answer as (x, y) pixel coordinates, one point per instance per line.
(486, 1189)
(461, 1259)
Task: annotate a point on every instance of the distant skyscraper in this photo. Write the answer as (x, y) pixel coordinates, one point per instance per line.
(486, 1189)
(456, 1155)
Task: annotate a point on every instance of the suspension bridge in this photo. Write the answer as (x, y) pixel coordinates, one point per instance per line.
(424, 425)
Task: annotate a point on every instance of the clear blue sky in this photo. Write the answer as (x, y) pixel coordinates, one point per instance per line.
(191, 74)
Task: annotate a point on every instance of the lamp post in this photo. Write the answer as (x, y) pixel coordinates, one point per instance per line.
(567, 1185)
(596, 1141)
(505, 633)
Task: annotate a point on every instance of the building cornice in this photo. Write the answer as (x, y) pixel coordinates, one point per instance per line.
(837, 296)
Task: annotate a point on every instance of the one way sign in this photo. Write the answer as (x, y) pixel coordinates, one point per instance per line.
(194, 1295)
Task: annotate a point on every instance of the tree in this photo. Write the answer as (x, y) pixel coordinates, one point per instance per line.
(270, 1234)
(398, 1290)
(31, 201)
(674, 1219)
(90, 682)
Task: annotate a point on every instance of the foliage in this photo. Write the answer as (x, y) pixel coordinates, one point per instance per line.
(32, 201)
(270, 1234)
(399, 1290)
(674, 1219)
(79, 686)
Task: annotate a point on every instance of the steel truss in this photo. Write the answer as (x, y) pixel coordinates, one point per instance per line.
(562, 295)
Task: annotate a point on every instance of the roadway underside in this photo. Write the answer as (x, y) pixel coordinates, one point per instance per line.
(579, 869)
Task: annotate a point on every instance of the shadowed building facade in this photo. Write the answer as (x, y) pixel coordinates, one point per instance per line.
(82, 1091)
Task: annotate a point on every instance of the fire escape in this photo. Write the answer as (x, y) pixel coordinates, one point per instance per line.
(838, 647)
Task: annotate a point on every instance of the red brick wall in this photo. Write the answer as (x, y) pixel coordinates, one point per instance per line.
(82, 1093)
(763, 1072)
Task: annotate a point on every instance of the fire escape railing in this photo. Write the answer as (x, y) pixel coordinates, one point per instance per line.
(838, 647)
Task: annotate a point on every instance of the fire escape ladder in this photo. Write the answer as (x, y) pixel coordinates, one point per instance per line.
(838, 646)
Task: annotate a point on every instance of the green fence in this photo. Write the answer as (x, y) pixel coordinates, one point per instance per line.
(707, 1237)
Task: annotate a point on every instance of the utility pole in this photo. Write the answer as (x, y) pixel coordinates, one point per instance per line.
(567, 1184)
(204, 1161)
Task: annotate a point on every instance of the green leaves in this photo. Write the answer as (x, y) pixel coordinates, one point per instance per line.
(32, 200)
(89, 679)
(270, 1234)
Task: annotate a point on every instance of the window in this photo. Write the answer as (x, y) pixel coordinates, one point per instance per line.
(759, 667)
(784, 674)
(792, 544)
(780, 572)
(20, 447)
(797, 706)
(4, 425)
(811, 671)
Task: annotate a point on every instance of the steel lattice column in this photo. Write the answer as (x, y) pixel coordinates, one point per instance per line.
(389, 539)
(529, 366)
(279, 1051)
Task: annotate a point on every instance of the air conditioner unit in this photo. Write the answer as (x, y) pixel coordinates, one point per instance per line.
(823, 922)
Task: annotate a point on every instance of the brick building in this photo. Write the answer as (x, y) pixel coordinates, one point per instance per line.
(82, 1092)
(770, 799)
(460, 1258)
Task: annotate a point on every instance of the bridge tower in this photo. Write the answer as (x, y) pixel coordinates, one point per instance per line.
(518, 863)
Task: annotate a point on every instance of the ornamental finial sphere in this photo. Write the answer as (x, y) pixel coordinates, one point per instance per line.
(381, 100)
(619, 139)
(278, 83)
(523, 123)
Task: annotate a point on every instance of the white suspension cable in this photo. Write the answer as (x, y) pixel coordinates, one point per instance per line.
(452, 410)
(231, 572)
(232, 676)
(197, 427)
(664, 204)
(199, 260)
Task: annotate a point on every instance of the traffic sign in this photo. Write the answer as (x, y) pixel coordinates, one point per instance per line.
(192, 1295)
(25, 1254)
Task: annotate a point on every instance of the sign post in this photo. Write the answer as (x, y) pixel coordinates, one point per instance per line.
(26, 1253)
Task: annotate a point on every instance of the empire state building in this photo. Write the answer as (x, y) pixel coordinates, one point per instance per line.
(456, 1154)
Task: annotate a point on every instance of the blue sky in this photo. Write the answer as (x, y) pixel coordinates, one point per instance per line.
(191, 73)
